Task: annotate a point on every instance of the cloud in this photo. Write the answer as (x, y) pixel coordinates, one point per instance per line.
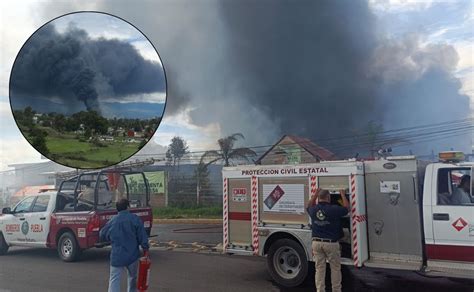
(13, 146)
(402, 5)
(199, 138)
(18, 22)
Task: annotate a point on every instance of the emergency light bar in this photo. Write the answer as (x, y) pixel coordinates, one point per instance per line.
(451, 156)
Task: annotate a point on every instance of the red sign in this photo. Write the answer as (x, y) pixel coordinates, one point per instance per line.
(36, 228)
(459, 224)
(12, 228)
(239, 191)
(274, 196)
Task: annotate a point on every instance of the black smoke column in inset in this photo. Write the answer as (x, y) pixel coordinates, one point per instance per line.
(72, 69)
(82, 86)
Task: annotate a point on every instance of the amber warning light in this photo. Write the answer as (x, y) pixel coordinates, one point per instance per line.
(451, 156)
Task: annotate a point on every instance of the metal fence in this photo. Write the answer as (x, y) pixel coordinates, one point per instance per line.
(184, 189)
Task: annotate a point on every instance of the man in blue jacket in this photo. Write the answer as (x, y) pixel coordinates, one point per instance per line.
(126, 233)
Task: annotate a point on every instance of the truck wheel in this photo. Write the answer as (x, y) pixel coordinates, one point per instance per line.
(68, 248)
(287, 263)
(3, 245)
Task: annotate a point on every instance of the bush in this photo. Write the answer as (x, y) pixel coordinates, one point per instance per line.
(97, 143)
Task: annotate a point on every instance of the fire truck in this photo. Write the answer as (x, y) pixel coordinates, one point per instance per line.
(402, 215)
(70, 219)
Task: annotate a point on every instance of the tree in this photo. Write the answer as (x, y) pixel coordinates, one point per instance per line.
(176, 150)
(59, 123)
(29, 112)
(227, 153)
(38, 141)
(201, 174)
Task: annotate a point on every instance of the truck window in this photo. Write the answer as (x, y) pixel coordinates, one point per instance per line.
(24, 206)
(41, 204)
(454, 186)
(111, 189)
(136, 186)
(84, 194)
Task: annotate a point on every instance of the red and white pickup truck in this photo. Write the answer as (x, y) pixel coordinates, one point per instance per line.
(69, 220)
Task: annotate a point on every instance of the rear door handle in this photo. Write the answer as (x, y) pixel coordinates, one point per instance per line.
(441, 216)
(22, 219)
(43, 218)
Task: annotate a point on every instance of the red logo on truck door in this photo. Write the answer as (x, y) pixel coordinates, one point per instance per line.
(239, 194)
(12, 228)
(459, 224)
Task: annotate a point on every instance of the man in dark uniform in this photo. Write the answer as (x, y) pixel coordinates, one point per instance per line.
(326, 228)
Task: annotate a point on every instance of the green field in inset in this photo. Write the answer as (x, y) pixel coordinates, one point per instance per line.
(68, 150)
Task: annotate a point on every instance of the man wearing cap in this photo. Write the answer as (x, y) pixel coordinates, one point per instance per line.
(326, 229)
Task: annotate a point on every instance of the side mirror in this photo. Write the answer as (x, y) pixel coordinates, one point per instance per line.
(6, 210)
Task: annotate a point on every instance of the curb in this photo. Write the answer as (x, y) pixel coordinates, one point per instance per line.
(187, 221)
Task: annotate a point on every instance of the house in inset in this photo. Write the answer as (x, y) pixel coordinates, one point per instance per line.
(36, 118)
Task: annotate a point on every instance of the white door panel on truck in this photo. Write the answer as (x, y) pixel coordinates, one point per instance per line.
(15, 225)
(239, 214)
(452, 222)
(394, 221)
(38, 219)
(11, 228)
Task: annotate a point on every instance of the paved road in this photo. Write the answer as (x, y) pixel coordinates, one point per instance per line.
(41, 270)
(25, 269)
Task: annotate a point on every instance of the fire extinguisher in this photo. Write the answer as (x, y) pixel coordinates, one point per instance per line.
(144, 264)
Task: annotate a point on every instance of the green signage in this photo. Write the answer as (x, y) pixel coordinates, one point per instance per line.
(293, 155)
(156, 181)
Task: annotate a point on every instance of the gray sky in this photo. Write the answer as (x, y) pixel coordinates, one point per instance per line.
(428, 22)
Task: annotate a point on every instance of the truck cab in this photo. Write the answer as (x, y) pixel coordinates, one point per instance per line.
(70, 219)
(448, 216)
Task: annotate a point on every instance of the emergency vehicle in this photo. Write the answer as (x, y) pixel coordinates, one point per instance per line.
(401, 215)
(70, 219)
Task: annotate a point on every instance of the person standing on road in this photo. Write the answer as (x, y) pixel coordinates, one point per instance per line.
(327, 230)
(126, 233)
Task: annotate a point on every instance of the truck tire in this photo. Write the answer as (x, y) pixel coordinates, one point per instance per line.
(68, 248)
(287, 263)
(3, 245)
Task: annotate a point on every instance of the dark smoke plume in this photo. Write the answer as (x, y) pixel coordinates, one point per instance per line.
(68, 68)
(311, 68)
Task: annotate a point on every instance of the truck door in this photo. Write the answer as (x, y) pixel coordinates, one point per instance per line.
(16, 225)
(38, 219)
(452, 216)
(394, 219)
(240, 225)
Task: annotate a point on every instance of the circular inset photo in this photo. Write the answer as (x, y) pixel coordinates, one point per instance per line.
(88, 90)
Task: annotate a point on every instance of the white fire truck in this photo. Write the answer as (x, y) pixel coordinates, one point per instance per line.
(402, 215)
